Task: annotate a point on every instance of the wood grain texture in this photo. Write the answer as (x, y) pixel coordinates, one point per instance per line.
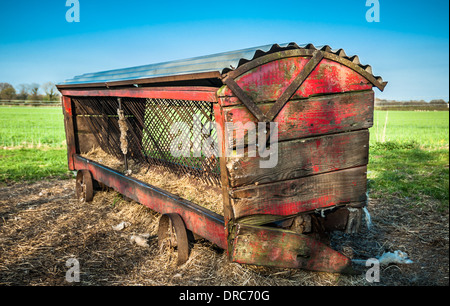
(295, 84)
(246, 100)
(267, 82)
(86, 141)
(304, 194)
(225, 182)
(198, 219)
(70, 131)
(303, 157)
(267, 246)
(193, 93)
(314, 116)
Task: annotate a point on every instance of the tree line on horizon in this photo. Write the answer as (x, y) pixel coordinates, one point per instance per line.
(29, 92)
(436, 104)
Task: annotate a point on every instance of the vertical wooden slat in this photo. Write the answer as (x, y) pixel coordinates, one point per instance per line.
(225, 182)
(70, 132)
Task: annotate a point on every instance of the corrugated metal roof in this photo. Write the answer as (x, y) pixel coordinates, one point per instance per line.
(220, 63)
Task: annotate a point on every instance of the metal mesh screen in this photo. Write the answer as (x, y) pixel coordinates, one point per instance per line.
(154, 125)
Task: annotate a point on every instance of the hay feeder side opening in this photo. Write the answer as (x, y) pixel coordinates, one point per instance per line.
(321, 102)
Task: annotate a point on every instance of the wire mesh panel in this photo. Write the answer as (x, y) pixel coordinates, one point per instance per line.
(163, 132)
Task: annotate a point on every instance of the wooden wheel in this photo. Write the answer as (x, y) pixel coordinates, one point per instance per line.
(84, 186)
(172, 234)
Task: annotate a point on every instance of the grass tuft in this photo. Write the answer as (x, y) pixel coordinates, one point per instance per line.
(32, 164)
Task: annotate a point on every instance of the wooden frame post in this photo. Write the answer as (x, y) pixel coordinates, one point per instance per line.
(70, 131)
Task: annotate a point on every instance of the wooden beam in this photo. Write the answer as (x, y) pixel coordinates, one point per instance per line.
(181, 93)
(314, 116)
(70, 131)
(198, 219)
(244, 69)
(303, 157)
(267, 82)
(267, 246)
(285, 96)
(245, 99)
(299, 195)
(295, 84)
(224, 179)
(212, 75)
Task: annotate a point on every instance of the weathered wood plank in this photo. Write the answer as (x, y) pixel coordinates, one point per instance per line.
(303, 157)
(267, 82)
(302, 194)
(244, 98)
(295, 84)
(82, 123)
(86, 142)
(198, 219)
(194, 93)
(70, 131)
(267, 246)
(225, 182)
(314, 116)
(365, 71)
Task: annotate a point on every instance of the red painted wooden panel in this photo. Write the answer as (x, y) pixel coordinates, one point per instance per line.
(304, 194)
(182, 93)
(316, 115)
(303, 157)
(67, 106)
(70, 131)
(196, 218)
(275, 247)
(268, 81)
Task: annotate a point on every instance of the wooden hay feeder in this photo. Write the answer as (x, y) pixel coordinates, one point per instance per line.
(282, 130)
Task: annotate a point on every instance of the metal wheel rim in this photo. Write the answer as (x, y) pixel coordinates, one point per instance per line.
(84, 187)
(172, 233)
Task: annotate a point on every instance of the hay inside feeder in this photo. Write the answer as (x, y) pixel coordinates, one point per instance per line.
(184, 186)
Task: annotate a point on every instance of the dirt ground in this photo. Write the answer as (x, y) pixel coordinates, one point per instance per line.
(42, 226)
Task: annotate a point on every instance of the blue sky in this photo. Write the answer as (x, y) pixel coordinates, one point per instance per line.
(409, 47)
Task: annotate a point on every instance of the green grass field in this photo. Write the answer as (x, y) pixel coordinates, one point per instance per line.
(32, 143)
(31, 126)
(409, 152)
(409, 157)
(427, 129)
